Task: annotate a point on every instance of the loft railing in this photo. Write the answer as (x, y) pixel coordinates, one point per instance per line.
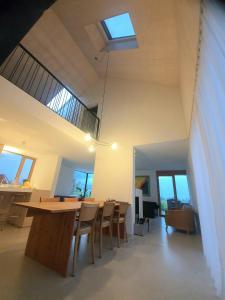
(29, 74)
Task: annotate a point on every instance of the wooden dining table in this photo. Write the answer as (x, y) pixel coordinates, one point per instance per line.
(51, 234)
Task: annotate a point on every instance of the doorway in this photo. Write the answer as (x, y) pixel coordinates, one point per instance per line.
(173, 189)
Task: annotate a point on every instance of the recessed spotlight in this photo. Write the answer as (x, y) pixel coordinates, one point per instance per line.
(114, 146)
(91, 148)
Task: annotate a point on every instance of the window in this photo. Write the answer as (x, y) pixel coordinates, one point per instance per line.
(60, 100)
(182, 188)
(88, 189)
(173, 186)
(26, 169)
(14, 168)
(82, 184)
(118, 27)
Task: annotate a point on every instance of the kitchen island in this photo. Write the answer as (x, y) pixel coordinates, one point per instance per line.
(14, 193)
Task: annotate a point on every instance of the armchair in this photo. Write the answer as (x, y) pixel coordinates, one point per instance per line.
(182, 219)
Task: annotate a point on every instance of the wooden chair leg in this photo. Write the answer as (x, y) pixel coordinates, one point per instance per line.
(111, 236)
(96, 233)
(118, 235)
(125, 232)
(92, 236)
(100, 242)
(75, 254)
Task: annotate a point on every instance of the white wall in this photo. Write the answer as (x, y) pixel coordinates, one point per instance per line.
(134, 113)
(65, 180)
(137, 113)
(46, 172)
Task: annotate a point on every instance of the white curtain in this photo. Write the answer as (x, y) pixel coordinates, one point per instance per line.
(207, 140)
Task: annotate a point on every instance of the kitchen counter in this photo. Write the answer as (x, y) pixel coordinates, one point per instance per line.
(14, 188)
(10, 193)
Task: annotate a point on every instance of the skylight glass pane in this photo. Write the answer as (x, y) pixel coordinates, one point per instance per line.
(120, 26)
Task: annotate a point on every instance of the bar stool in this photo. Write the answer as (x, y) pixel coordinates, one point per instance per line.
(105, 221)
(85, 225)
(120, 218)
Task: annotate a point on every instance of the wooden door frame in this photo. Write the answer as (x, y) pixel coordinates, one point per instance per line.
(172, 173)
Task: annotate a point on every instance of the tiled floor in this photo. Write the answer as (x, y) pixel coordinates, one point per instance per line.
(156, 267)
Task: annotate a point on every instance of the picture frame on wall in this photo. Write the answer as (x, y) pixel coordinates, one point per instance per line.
(142, 182)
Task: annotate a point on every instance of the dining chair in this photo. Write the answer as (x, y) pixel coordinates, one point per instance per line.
(85, 225)
(105, 221)
(71, 199)
(53, 199)
(89, 199)
(120, 218)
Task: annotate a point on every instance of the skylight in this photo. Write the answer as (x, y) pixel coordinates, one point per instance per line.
(118, 27)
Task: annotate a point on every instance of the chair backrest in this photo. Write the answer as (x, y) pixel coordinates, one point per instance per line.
(89, 199)
(108, 209)
(123, 208)
(71, 199)
(53, 199)
(88, 212)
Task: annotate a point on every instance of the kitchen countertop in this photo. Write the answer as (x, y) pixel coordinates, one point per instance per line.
(14, 188)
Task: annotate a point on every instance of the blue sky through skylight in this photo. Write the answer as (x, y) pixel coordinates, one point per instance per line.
(120, 26)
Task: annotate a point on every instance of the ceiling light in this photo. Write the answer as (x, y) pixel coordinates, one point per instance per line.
(91, 148)
(88, 137)
(114, 146)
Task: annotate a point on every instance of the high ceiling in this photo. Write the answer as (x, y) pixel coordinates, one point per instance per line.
(156, 58)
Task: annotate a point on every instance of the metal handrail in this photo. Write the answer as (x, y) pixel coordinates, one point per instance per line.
(24, 70)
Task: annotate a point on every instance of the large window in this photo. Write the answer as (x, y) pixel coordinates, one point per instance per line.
(15, 168)
(82, 184)
(119, 26)
(173, 186)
